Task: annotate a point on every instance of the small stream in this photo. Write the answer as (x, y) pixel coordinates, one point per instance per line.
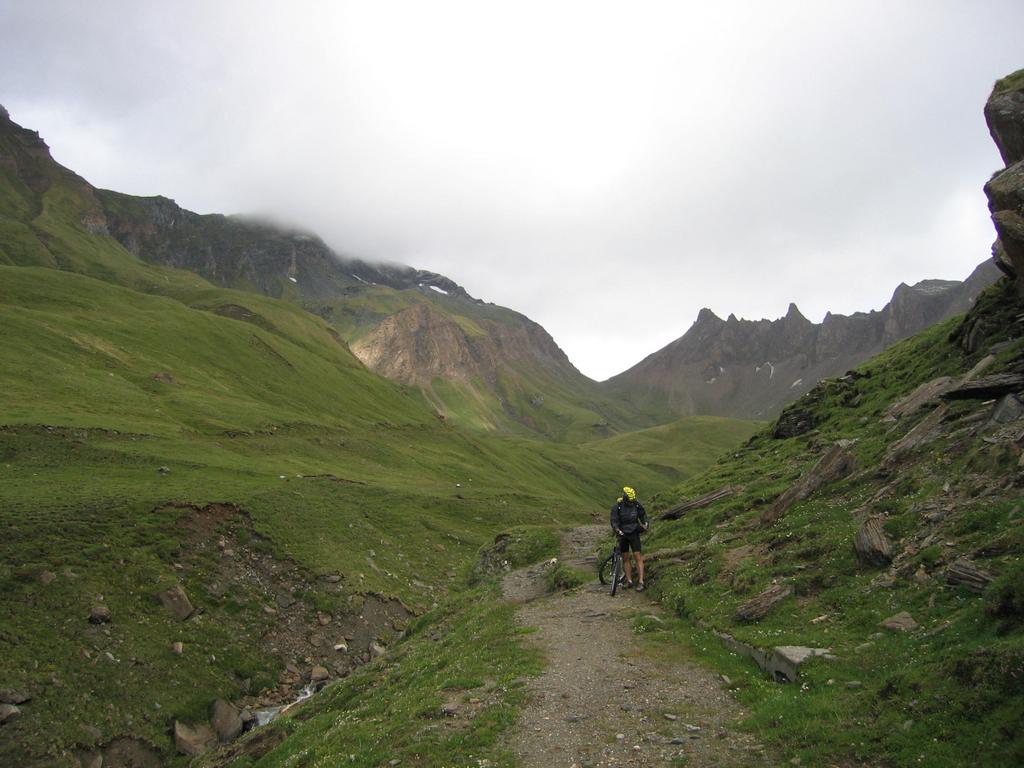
(264, 716)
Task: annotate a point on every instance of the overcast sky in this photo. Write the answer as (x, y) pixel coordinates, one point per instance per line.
(606, 168)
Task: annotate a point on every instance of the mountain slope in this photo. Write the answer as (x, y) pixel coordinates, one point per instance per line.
(751, 369)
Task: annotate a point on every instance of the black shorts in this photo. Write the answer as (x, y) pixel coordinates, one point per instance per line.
(630, 541)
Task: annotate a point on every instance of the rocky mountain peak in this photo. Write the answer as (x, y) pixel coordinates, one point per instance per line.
(707, 316)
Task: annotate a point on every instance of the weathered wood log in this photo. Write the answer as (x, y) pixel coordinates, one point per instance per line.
(964, 573)
(871, 544)
(674, 513)
(987, 387)
(758, 607)
(836, 463)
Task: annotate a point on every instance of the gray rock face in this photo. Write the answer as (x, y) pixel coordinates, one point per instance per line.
(965, 573)
(1004, 114)
(176, 601)
(1008, 410)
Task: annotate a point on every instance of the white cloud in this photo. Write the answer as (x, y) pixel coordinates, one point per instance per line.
(606, 168)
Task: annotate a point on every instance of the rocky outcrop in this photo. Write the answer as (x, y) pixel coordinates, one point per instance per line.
(836, 463)
(193, 740)
(751, 369)
(1004, 113)
(872, 545)
(758, 607)
(963, 572)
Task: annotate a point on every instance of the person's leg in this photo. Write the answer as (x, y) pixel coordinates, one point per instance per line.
(639, 566)
(626, 566)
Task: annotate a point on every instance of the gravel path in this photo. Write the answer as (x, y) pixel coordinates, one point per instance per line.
(602, 701)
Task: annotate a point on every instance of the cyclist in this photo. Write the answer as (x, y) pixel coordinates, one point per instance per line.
(628, 519)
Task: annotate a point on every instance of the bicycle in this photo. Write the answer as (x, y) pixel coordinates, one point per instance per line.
(610, 570)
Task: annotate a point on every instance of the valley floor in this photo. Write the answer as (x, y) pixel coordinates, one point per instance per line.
(609, 695)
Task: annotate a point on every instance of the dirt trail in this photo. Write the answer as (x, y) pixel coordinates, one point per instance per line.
(603, 701)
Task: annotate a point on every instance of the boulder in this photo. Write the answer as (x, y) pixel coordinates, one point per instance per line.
(784, 660)
(1008, 409)
(758, 607)
(8, 712)
(872, 545)
(176, 601)
(99, 614)
(177, 648)
(900, 622)
(965, 573)
(227, 721)
(836, 463)
(193, 741)
(319, 674)
(14, 696)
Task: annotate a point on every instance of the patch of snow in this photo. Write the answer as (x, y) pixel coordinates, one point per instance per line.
(796, 383)
(357, 277)
(293, 279)
(439, 290)
(771, 370)
(712, 380)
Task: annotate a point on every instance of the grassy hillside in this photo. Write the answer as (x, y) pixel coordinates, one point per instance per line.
(943, 694)
(681, 448)
(130, 420)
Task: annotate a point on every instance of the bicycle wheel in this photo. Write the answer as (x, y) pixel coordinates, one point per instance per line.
(616, 572)
(604, 570)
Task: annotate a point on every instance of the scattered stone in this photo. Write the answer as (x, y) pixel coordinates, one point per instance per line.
(285, 600)
(692, 728)
(900, 622)
(100, 614)
(164, 471)
(193, 741)
(726, 679)
(670, 716)
(47, 577)
(758, 607)
(332, 578)
(324, 619)
(227, 721)
(450, 709)
(176, 601)
(620, 737)
(965, 573)
(394, 762)
(677, 741)
(8, 712)
(854, 685)
(319, 674)
(871, 543)
(177, 648)
(377, 650)
(626, 707)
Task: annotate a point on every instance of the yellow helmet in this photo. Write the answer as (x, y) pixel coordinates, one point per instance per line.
(629, 493)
